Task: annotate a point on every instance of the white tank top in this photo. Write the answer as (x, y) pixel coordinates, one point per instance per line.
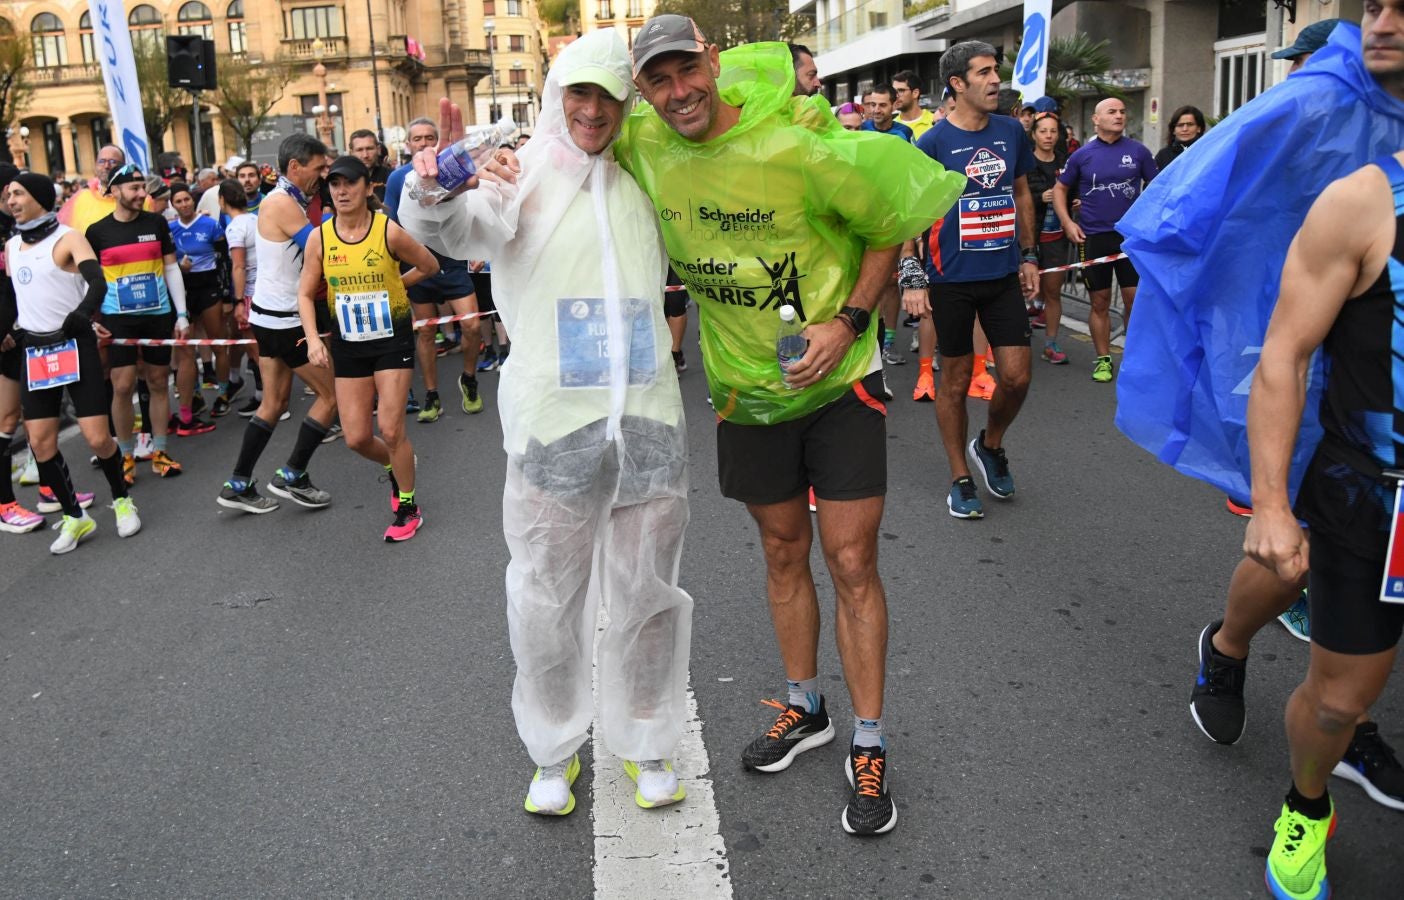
(44, 293)
(279, 270)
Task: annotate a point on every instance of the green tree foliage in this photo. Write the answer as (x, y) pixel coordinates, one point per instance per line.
(247, 93)
(15, 89)
(1076, 65)
(728, 23)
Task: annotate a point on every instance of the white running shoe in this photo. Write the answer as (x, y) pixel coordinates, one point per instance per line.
(657, 782)
(29, 474)
(145, 447)
(549, 793)
(128, 522)
(72, 531)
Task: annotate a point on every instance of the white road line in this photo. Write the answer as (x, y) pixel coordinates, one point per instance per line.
(676, 851)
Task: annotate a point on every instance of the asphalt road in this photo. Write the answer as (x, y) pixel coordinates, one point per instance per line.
(285, 706)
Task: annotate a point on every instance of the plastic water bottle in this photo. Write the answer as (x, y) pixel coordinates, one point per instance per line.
(790, 342)
(460, 162)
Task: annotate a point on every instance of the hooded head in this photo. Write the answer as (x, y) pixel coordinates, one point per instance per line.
(589, 92)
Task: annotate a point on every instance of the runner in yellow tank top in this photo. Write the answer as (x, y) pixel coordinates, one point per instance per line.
(357, 253)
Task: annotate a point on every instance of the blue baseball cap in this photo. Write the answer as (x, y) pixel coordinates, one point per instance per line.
(1309, 40)
(1045, 104)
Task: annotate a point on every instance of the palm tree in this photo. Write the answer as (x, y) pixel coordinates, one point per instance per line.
(1076, 65)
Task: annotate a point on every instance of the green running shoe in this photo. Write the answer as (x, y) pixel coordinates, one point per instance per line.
(468, 387)
(431, 410)
(1296, 864)
(549, 793)
(1102, 369)
(657, 783)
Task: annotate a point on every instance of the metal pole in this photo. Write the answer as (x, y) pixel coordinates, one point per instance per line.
(492, 80)
(195, 138)
(375, 73)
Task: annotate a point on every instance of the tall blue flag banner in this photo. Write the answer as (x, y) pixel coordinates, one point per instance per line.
(114, 45)
(1031, 63)
(1209, 238)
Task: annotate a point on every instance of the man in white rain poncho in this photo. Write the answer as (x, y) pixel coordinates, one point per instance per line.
(593, 427)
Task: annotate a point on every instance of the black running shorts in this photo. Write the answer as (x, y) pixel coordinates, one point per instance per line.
(202, 292)
(283, 344)
(10, 361)
(352, 361)
(1099, 278)
(453, 282)
(157, 327)
(88, 393)
(482, 286)
(999, 304)
(839, 449)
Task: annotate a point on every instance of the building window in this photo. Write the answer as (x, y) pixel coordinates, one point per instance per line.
(102, 133)
(489, 8)
(606, 11)
(516, 76)
(50, 49)
(85, 37)
(514, 7)
(235, 15)
(520, 113)
(146, 25)
(195, 18)
(635, 9)
(53, 145)
(315, 21)
(1238, 72)
(516, 43)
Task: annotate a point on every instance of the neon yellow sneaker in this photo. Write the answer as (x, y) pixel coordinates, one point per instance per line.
(1102, 369)
(72, 531)
(549, 793)
(657, 784)
(1296, 864)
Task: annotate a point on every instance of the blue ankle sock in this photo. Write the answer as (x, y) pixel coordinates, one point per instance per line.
(805, 694)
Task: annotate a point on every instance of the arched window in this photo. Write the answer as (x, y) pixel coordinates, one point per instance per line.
(50, 49)
(195, 18)
(235, 15)
(85, 37)
(146, 25)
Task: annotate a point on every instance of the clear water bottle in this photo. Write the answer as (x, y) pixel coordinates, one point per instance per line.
(460, 162)
(790, 342)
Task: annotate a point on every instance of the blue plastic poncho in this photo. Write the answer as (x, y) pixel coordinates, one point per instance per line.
(1209, 238)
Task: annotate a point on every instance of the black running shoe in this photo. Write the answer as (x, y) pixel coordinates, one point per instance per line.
(220, 407)
(1370, 763)
(1217, 700)
(299, 490)
(795, 731)
(870, 810)
(245, 499)
(251, 407)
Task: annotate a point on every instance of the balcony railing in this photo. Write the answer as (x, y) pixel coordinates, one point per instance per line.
(302, 49)
(71, 74)
(865, 17)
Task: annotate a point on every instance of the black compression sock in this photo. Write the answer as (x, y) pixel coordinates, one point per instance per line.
(112, 471)
(7, 487)
(309, 438)
(144, 400)
(255, 439)
(53, 474)
(257, 376)
(1312, 808)
(111, 425)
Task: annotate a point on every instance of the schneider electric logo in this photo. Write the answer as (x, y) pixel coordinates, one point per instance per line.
(751, 224)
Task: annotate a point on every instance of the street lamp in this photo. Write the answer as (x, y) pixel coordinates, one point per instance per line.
(326, 130)
(489, 26)
(19, 145)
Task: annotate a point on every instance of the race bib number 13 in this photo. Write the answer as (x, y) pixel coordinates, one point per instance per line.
(582, 335)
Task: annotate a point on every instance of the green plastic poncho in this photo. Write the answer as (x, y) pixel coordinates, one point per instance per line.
(778, 210)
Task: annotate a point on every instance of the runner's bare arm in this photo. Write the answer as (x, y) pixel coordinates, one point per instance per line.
(1332, 258)
(1028, 234)
(307, 287)
(1060, 206)
(407, 249)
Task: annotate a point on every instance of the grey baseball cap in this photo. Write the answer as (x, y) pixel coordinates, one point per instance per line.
(666, 34)
(1309, 40)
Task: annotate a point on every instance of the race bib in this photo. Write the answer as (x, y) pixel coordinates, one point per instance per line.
(138, 293)
(365, 316)
(986, 223)
(582, 336)
(52, 366)
(1392, 588)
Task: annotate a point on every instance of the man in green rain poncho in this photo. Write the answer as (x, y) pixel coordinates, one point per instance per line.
(765, 201)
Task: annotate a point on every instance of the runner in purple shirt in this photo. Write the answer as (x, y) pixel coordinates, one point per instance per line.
(1107, 175)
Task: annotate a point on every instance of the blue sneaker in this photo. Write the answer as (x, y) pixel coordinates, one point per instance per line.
(1297, 618)
(992, 466)
(962, 501)
(411, 405)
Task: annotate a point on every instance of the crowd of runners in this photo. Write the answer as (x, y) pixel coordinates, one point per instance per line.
(565, 263)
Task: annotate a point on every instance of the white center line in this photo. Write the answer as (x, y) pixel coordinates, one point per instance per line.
(675, 851)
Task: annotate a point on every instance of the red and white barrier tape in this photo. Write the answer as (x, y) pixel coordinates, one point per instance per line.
(1082, 265)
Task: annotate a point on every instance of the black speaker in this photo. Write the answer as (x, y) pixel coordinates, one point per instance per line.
(211, 81)
(185, 55)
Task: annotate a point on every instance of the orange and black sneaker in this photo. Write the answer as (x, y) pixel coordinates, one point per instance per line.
(163, 465)
(129, 469)
(795, 731)
(870, 810)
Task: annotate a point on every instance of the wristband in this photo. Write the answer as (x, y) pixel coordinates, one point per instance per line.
(1030, 255)
(911, 275)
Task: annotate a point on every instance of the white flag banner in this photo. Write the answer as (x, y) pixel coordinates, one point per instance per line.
(1031, 65)
(119, 75)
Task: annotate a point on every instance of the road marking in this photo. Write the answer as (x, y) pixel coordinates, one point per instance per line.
(638, 856)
